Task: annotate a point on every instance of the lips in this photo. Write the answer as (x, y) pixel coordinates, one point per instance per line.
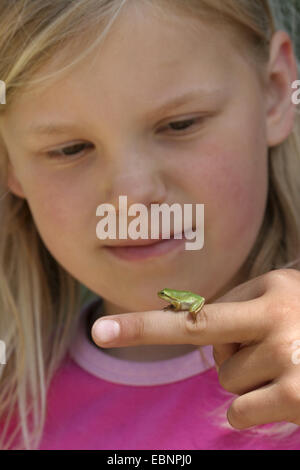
(141, 242)
(133, 250)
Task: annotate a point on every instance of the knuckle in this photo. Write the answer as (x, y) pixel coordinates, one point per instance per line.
(280, 277)
(281, 353)
(135, 327)
(283, 298)
(290, 391)
(279, 310)
(194, 326)
(295, 273)
(237, 415)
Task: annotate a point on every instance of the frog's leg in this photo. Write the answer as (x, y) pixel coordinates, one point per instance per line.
(175, 306)
(197, 306)
(169, 307)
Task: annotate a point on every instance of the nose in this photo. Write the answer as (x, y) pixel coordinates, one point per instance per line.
(139, 179)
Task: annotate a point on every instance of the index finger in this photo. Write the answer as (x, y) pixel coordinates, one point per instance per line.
(217, 323)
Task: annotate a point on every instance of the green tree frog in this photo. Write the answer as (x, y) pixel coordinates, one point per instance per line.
(182, 300)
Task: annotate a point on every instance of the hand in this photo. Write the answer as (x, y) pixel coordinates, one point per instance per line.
(255, 333)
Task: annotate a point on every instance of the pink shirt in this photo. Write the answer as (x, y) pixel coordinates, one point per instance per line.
(96, 401)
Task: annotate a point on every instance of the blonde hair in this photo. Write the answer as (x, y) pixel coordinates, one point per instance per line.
(38, 297)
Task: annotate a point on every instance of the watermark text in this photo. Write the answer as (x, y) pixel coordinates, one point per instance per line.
(2, 352)
(2, 92)
(184, 223)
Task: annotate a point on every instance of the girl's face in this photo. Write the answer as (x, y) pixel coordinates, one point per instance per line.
(112, 102)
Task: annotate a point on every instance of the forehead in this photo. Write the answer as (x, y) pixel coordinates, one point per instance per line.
(143, 59)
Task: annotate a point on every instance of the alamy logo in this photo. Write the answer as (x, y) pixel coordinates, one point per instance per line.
(296, 354)
(296, 94)
(138, 228)
(2, 352)
(2, 92)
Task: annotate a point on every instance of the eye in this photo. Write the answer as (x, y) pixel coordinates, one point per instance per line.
(69, 151)
(180, 126)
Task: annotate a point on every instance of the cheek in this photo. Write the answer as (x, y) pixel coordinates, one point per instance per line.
(234, 192)
(60, 214)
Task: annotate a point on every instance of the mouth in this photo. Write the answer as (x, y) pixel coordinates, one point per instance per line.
(139, 242)
(135, 250)
(164, 297)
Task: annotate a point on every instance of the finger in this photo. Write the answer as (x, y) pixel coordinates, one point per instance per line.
(223, 352)
(153, 327)
(269, 404)
(252, 289)
(215, 324)
(250, 368)
(249, 290)
(230, 322)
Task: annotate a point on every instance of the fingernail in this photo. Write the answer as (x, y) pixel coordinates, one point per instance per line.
(107, 330)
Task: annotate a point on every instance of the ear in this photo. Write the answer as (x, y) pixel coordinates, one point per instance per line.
(282, 72)
(13, 183)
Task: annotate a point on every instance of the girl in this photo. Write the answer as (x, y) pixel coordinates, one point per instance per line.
(165, 102)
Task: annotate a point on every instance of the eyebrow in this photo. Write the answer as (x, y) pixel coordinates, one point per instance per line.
(63, 128)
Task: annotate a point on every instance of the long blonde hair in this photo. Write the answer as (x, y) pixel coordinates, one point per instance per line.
(38, 297)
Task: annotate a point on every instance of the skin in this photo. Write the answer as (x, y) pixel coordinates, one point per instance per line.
(224, 159)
